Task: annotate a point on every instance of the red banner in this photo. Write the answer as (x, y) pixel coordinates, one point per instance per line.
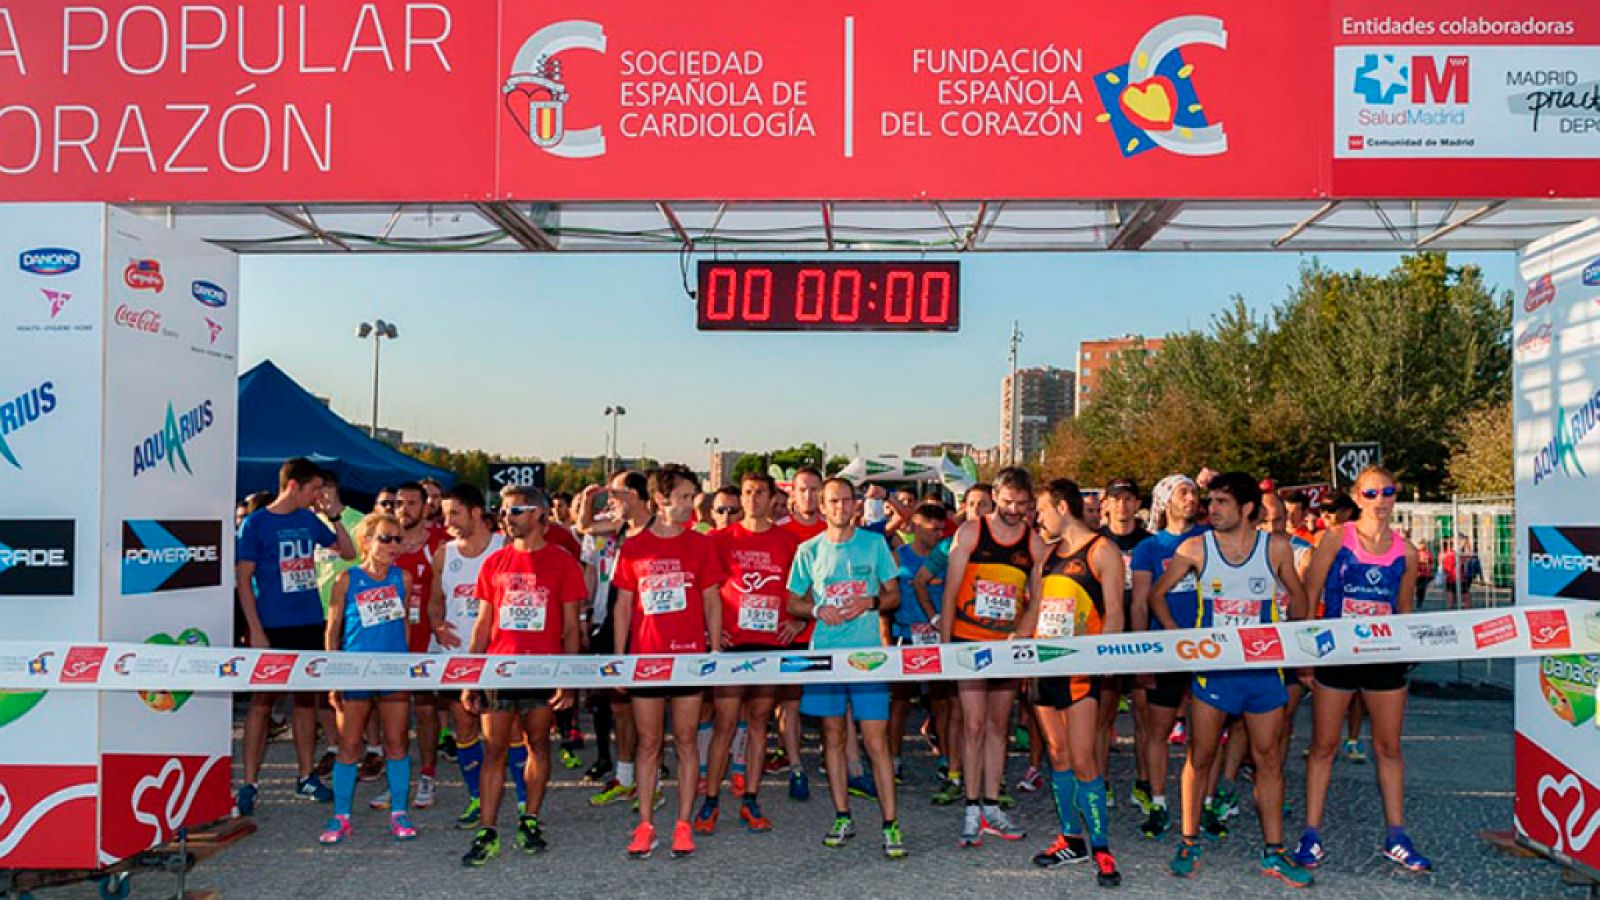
(166, 100)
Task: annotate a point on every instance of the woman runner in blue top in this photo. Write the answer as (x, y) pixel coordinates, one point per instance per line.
(367, 614)
(1363, 570)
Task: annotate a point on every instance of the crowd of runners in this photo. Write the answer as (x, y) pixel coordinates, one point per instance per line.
(650, 564)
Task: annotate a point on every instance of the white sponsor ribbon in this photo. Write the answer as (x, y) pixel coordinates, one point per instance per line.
(1567, 629)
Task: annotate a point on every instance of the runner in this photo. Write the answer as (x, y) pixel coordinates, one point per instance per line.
(277, 584)
(915, 619)
(530, 592)
(1235, 594)
(726, 507)
(805, 522)
(991, 560)
(668, 603)
(1363, 570)
(453, 610)
(1078, 579)
(1120, 506)
(843, 578)
(756, 556)
(367, 614)
(416, 559)
(1174, 503)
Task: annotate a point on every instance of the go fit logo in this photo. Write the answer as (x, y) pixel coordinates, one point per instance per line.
(1205, 648)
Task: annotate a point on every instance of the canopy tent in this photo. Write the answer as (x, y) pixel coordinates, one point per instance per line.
(279, 419)
(953, 476)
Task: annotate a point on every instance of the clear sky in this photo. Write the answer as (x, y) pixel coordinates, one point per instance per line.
(520, 354)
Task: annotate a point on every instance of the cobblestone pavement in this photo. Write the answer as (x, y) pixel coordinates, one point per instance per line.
(1460, 777)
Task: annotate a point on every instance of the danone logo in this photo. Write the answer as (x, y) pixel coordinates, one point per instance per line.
(21, 411)
(1150, 101)
(168, 445)
(1591, 273)
(1561, 452)
(49, 261)
(209, 294)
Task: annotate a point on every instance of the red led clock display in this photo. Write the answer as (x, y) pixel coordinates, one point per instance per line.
(738, 295)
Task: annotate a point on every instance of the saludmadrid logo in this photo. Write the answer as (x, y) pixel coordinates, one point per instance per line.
(169, 444)
(170, 555)
(36, 557)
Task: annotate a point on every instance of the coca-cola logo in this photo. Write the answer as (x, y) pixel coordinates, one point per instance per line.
(145, 320)
(1536, 338)
(1539, 293)
(144, 275)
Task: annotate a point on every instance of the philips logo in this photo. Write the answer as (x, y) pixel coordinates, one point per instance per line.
(209, 294)
(1139, 649)
(49, 261)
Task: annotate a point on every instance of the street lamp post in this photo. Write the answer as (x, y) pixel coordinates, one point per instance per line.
(713, 442)
(377, 330)
(614, 461)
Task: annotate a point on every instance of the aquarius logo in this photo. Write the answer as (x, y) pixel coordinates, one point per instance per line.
(168, 443)
(18, 413)
(1562, 450)
(1150, 101)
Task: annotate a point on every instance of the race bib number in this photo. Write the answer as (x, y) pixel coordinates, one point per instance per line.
(379, 605)
(923, 633)
(1230, 613)
(662, 594)
(463, 602)
(758, 613)
(1058, 617)
(837, 593)
(296, 575)
(524, 610)
(1355, 608)
(994, 600)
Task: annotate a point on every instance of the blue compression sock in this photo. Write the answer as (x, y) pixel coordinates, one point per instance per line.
(470, 758)
(344, 788)
(1092, 804)
(1064, 785)
(399, 772)
(517, 762)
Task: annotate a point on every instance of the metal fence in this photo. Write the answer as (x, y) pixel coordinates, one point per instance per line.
(1472, 542)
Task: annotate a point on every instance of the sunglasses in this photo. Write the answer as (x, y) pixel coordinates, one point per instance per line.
(726, 510)
(1387, 490)
(516, 510)
(388, 538)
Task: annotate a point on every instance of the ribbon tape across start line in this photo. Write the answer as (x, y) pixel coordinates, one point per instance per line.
(1567, 629)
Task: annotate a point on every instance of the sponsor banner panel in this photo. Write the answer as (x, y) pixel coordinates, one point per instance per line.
(170, 672)
(47, 817)
(149, 797)
(1557, 809)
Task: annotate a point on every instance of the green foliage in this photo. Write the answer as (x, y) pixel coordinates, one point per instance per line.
(806, 454)
(1481, 461)
(1399, 358)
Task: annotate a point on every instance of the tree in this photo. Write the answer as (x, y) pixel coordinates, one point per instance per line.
(1481, 462)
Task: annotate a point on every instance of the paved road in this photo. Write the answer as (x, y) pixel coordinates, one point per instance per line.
(1461, 776)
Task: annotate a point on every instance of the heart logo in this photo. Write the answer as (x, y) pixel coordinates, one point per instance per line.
(1150, 104)
(1573, 835)
(16, 704)
(172, 701)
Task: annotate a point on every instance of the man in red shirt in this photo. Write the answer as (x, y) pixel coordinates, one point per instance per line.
(667, 604)
(416, 560)
(528, 593)
(756, 555)
(804, 522)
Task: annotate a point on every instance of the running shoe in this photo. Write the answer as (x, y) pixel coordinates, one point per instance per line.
(894, 844)
(1214, 825)
(485, 846)
(948, 793)
(381, 801)
(1031, 781)
(530, 837)
(614, 792)
(1187, 859)
(737, 784)
(335, 830)
(682, 840)
(569, 759)
(862, 786)
(1309, 853)
(246, 801)
(1179, 735)
(971, 828)
(1277, 864)
(1065, 850)
(1105, 869)
(997, 823)
(705, 821)
(324, 766)
(600, 772)
(312, 788)
(644, 842)
(427, 788)
(799, 786)
(1111, 796)
(447, 746)
(843, 829)
(400, 827)
(1247, 771)
(777, 761)
(469, 815)
(1404, 854)
(1141, 797)
(371, 768)
(750, 813)
(660, 800)
(1156, 823)
(1354, 752)
(1006, 801)
(1227, 805)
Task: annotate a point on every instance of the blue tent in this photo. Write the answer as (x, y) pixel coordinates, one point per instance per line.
(279, 419)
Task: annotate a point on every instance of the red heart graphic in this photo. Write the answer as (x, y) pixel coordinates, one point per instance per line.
(1150, 104)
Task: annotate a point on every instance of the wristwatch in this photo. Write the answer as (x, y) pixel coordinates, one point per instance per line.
(874, 603)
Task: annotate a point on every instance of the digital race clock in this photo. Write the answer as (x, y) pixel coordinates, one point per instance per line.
(739, 295)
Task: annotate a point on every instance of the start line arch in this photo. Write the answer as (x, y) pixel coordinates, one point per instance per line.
(144, 145)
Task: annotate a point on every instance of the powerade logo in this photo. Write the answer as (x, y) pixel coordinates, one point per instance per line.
(1591, 273)
(209, 294)
(21, 411)
(1141, 648)
(1564, 561)
(1561, 452)
(36, 557)
(49, 261)
(170, 555)
(806, 664)
(169, 443)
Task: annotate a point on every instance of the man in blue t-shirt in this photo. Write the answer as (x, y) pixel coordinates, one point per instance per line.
(276, 567)
(913, 623)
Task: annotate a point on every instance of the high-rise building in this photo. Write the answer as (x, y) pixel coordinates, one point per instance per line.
(1095, 357)
(957, 449)
(1045, 397)
(722, 463)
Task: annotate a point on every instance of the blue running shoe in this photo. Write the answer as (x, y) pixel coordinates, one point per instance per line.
(312, 788)
(799, 786)
(863, 786)
(246, 801)
(1403, 853)
(1309, 852)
